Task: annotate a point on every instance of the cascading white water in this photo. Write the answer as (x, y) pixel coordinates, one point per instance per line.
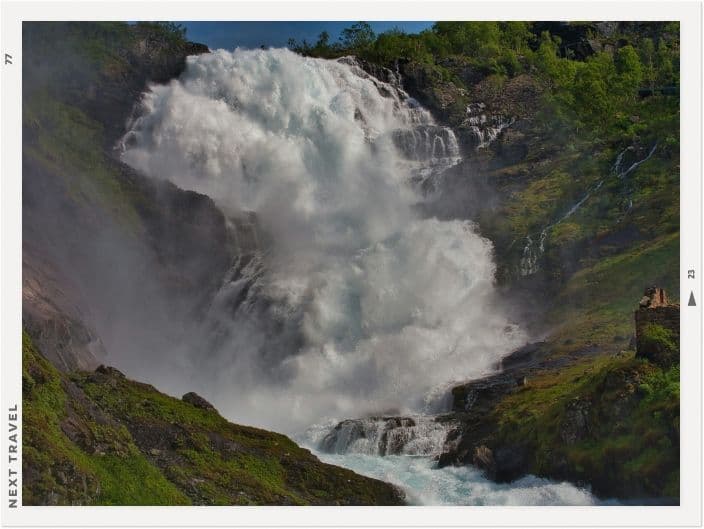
(427, 485)
(418, 435)
(385, 305)
(485, 129)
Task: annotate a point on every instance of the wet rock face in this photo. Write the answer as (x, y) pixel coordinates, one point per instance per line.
(481, 394)
(51, 314)
(387, 75)
(386, 436)
(445, 100)
(511, 462)
(503, 464)
(523, 356)
(575, 425)
(483, 459)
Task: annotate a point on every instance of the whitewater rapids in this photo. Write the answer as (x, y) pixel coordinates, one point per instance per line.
(377, 307)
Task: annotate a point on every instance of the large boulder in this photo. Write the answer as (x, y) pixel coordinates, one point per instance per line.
(197, 401)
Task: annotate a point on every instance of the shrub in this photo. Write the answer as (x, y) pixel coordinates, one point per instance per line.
(657, 344)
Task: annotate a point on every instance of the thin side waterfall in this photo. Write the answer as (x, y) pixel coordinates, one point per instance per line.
(532, 251)
(485, 129)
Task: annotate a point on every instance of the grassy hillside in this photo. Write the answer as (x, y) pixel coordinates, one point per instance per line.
(98, 438)
(612, 423)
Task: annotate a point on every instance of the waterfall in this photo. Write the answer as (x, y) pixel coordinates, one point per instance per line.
(417, 435)
(352, 302)
(485, 129)
(529, 263)
(532, 253)
(619, 160)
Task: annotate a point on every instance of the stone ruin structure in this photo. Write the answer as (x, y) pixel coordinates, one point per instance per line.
(656, 310)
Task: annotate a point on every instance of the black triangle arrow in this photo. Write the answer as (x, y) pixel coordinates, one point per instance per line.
(692, 303)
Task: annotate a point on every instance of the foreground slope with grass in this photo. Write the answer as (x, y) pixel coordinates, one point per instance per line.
(98, 438)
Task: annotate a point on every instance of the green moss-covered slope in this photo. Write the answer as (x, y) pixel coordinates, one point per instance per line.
(99, 438)
(612, 423)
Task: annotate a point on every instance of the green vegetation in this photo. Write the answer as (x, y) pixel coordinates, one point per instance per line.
(591, 96)
(612, 423)
(659, 345)
(102, 439)
(594, 310)
(76, 56)
(68, 143)
(107, 470)
(602, 417)
(493, 46)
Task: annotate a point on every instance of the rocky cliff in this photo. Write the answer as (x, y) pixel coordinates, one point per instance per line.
(608, 422)
(80, 204)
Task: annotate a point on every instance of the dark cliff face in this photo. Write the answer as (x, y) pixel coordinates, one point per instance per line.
(97, 235)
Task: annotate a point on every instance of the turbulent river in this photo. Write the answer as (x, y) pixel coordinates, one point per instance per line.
(426, 485)
(349, 302)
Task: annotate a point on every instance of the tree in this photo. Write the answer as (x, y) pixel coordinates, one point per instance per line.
(647, 51)
(392, 44)
(516, 36)
(629, 72)
(593, 87)
(358, 36)
(323, 40)
(477, 40)
(664, 63)
(556, 71)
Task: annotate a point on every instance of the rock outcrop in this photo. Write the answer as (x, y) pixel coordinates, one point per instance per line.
(580, 420)
(658, 328)
(197, 401)
(383, 436)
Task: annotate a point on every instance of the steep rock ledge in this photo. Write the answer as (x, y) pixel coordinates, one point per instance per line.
(81, 204)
